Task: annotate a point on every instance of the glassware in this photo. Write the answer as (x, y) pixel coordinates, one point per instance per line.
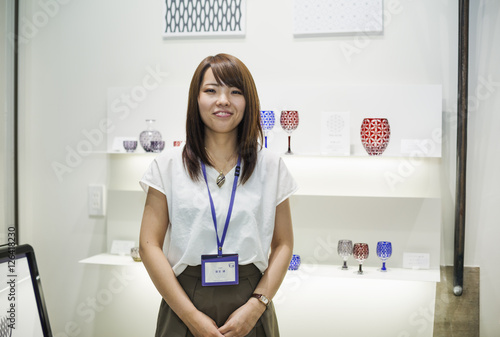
(289, 122)
(294, 263)
(360, 252)
(375, 135)
(148, 135)
(130, 145)
(344, 248)
(157, 145)
(384, 251)
(134, 253)
(267, 121)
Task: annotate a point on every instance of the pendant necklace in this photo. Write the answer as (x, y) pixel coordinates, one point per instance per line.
(221, 179)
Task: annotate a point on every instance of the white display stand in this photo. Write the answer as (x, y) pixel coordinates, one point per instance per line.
(394, 197)
(320, 304)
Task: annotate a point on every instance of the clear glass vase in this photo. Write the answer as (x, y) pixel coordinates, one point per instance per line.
(148, 135)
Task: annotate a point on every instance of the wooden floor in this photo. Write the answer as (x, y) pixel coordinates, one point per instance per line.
(457, 316)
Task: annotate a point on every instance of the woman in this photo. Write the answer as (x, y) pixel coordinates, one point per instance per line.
(219, 202)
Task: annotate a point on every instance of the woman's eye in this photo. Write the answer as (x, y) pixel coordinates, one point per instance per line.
(210, 90)
(237, 92)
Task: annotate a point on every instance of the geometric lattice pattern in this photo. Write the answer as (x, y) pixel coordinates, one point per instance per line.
(267, 120)
(202, 17)
(335, 124)
(338, 16)
(294, 263)
(344, 248)
(375, 135)
(360, 251)
(289, 120)
(384, 250)
(5, 330)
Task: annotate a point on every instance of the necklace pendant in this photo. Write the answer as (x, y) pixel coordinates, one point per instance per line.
(221, 179)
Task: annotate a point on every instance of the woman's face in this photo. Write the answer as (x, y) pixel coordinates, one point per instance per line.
(221, 107)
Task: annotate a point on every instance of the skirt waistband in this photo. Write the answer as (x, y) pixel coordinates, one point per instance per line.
(244, 271)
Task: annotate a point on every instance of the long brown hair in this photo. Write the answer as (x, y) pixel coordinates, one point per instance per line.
(229, 71)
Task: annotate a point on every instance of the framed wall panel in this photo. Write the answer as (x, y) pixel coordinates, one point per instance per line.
(193, 18)
(313, 17)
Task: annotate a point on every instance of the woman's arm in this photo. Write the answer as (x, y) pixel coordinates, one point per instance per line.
(244, 318)
(152, 235)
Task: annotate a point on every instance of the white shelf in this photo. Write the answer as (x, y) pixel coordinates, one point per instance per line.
(400, 177)
(110, 260)
(369, 273)
(321, 176)
(306, 270)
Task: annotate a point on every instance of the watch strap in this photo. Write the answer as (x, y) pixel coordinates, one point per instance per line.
(262, 299)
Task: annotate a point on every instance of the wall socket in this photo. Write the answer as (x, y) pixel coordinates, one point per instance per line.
(97, 206)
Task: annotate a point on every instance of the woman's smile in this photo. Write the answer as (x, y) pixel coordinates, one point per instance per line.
(221, 107)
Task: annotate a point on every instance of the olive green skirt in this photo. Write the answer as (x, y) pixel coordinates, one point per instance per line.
(218, 302)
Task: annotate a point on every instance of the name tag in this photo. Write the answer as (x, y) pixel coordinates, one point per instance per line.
(219, 270)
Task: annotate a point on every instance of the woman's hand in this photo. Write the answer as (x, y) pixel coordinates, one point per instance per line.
(243, 320)
(201, 325)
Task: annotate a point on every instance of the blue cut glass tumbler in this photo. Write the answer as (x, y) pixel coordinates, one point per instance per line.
(294, 263)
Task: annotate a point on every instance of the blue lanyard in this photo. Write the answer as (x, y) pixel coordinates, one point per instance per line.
(220, 243)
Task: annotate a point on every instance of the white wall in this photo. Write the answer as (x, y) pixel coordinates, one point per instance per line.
(483, 161)
(6, 119)
(85, 47)
(3, 120)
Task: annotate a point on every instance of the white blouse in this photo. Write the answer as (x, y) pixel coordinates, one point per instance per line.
(191, 231)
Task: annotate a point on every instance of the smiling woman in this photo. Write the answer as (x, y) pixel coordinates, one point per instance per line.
(206, 292)
(7, 154)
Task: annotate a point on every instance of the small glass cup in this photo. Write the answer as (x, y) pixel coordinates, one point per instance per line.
(157, 145)
(294, 263)
(134, 253)
(130, 145)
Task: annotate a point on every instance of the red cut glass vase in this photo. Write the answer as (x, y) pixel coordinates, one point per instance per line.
(375, 135)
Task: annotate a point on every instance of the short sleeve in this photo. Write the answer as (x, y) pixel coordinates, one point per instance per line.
(153, 178)
(286, 183)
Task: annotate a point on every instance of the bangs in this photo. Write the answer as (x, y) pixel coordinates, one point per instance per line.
(227, 73)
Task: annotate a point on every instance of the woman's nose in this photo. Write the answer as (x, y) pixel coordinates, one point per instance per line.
(223, 99)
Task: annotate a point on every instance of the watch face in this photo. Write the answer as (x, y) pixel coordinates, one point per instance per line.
(264, 299)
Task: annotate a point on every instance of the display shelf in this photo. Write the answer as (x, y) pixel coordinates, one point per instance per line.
(305, 270)
(321, 176)
(354, 305)
(110, 259)
(365, 176)
(369, 273)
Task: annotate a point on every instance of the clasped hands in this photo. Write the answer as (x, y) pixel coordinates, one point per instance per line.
(239, 323)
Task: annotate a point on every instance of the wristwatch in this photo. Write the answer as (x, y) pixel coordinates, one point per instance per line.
(263, 299)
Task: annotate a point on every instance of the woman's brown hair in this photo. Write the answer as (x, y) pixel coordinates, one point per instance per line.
(229, 71)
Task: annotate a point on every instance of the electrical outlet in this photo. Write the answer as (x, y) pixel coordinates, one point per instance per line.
(96, 200)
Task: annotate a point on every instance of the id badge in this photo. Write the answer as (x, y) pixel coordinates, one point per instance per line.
(219, 270)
